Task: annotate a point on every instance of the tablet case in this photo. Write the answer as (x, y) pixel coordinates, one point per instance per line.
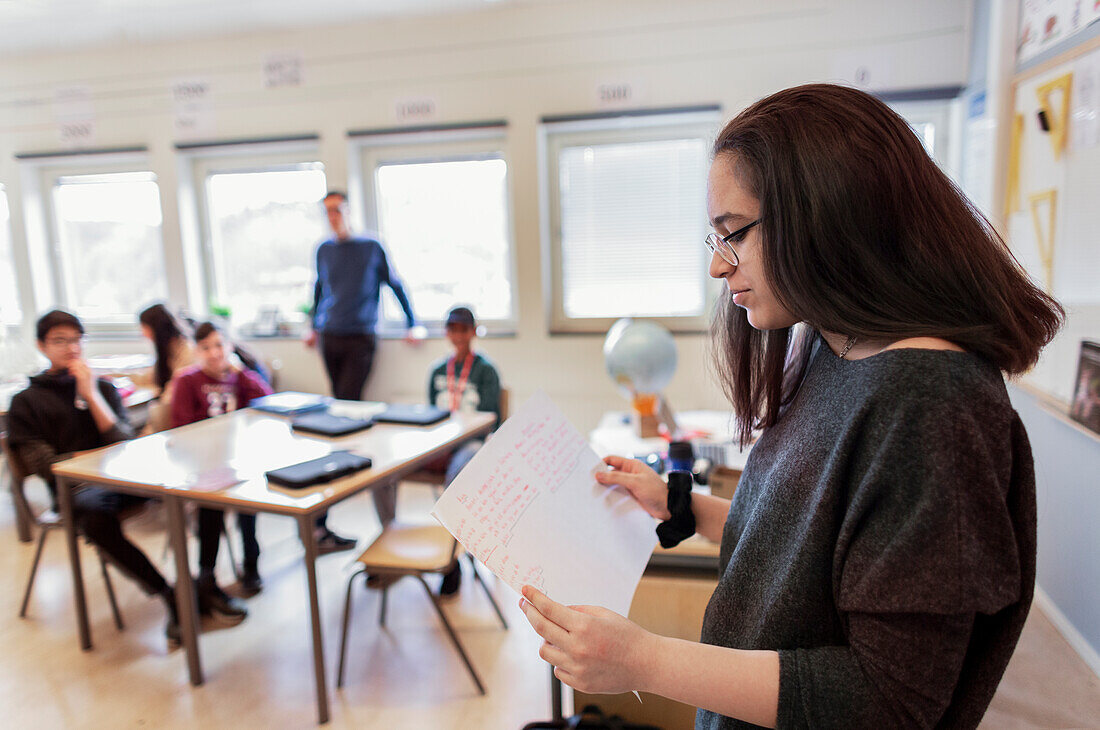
(412, 414)
(327, 424)
(290, 403)
(318, 471)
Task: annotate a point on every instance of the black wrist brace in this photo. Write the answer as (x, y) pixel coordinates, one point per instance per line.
(681, 525)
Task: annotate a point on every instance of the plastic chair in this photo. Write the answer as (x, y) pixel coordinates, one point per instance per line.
(413, 550)
(435, 476)
(47, 521)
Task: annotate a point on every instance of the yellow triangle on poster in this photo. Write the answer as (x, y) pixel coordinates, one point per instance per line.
(1057, 122)
(1044, 234)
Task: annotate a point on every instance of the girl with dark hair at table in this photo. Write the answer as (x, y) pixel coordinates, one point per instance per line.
(878, 557)
(172, 347)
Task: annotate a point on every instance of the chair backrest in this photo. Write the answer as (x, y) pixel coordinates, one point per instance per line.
(18, 471)
(15, 464)
(505, 398)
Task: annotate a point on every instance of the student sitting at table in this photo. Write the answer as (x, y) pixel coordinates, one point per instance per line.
(211, 388)
(67, 409)
(464, 381)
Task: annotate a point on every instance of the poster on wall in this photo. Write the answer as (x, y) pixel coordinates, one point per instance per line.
(1045, 23)
(1085, 12)
(978, 154)
(1084, 126)
(1085, 407)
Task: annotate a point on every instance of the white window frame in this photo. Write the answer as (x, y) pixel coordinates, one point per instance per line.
(370, 151)
(43, 175)
(12, 322)
(201, 162)
(552, 137)
(937, 112)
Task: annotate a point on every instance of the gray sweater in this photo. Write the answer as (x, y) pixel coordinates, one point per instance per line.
(882, 539)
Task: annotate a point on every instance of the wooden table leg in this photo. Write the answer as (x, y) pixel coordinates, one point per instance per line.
(186, 603)
(309, 542)
(65, 501)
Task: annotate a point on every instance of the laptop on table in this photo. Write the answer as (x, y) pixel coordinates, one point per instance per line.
(412, 414)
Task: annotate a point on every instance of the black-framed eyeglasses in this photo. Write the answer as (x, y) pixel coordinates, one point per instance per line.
(722, 245)
(65, 341)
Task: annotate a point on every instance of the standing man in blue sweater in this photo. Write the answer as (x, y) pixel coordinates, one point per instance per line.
(350, 274)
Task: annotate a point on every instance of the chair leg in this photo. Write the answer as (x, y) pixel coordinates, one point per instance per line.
(451, 632)
(24, 515)
(344, 635)
(42, 531)
(110, 591)
(488, 594)
(382, 611)
(229, 547)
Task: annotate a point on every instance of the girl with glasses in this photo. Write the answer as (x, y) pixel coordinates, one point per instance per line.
(878, 558)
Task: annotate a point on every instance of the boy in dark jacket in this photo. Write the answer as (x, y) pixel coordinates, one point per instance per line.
(67, 409)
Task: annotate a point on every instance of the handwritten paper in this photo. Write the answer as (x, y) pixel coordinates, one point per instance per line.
(528, 506)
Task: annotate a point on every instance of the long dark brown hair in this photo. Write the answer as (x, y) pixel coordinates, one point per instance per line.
(167, 333)
(862, 235)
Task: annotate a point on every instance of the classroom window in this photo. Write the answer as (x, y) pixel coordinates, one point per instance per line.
(628, 218)
(109, 253)
(263, 224)
(931, 122)
(440, 204)
(10, 311)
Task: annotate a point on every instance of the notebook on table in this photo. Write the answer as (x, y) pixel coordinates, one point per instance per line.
(290, 403)
(318, 471)
(326, 424)
(412, 414)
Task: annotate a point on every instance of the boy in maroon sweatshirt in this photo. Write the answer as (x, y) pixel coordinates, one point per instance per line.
(213, 387)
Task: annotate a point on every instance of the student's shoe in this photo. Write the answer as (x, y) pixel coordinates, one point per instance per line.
(329, 542)
(251, 583)
(213, 601)
(172, 632)
(451, 581)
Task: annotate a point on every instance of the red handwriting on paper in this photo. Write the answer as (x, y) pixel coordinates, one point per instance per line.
(515, 574)
(547, 452)
(552, 449)
(498, 503)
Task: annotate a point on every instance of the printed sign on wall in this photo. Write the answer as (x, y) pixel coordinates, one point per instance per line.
(415, 109)
(619, 93)
(75, 116)
(283, 68)
(193, 109)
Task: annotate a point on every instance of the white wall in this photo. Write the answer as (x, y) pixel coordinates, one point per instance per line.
(1067, 459)
(1067, 462)
(514, 63)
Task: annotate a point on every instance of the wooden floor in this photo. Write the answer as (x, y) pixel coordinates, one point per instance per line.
(259, 674)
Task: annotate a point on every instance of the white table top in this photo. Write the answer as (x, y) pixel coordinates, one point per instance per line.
(222, 460)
